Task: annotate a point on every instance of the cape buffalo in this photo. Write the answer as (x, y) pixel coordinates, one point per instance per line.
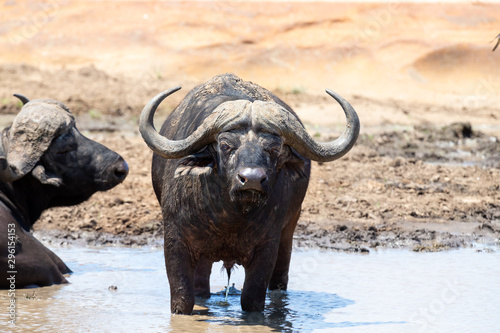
(45, 162)
(230, 171)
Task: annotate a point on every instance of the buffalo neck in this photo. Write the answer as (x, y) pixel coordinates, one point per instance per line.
(26, 198)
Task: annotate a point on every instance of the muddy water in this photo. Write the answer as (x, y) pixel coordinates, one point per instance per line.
(384, 291)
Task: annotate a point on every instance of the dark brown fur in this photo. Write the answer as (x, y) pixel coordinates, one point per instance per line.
(67, 172)
(209, 217)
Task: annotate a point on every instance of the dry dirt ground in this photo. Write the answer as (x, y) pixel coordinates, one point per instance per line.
(424, 174)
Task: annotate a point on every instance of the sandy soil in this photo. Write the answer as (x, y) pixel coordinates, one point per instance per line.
(424, 174)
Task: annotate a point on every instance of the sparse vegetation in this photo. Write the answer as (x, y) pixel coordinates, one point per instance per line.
(33, 295)
(95, 114)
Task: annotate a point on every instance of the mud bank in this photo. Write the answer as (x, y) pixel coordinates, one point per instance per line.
(410, 188)
(347, 237)
(422, 77)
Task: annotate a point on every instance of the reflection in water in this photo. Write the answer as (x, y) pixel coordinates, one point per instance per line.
(299, 311)
(386, 291)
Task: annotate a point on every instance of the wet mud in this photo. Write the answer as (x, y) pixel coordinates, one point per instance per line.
(424, 187)
(424, 174)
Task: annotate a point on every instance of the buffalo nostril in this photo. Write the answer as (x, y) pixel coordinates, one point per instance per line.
(242, 179)
(252, 178)
(121, 171)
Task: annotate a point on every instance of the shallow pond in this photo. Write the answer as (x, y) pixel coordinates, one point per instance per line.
(384, 291)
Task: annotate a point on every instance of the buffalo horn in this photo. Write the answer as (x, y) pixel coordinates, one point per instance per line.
(327, 151)
(270, 114)
(274, 117)
(171, 148)
(22, 98)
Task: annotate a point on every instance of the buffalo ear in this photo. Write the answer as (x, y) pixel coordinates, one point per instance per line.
(3, 163)
(6, 174)
(46, 178)
(32, 132)
(296, 165)
(201, 163)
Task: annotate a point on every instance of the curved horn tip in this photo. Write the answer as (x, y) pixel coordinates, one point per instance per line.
(172, 90)
(22, 98)
(146, 127)
(329, 151)
(161, 96)
(334, 94)
(151, 106)
(342, 100)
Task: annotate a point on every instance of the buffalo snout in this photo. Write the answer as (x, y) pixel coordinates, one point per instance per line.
(252, 179)
(120, 170)
(112, 172)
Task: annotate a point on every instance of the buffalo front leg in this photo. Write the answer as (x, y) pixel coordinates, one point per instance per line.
(202, 277)
(279, 278)
(257, 275)
(180, 272)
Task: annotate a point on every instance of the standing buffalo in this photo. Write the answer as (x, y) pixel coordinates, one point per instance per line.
(45, 162)
(230, 170)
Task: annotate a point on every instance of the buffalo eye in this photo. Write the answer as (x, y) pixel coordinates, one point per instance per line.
(66, 149)
(274, 150)
(225, 147)
(64, 144)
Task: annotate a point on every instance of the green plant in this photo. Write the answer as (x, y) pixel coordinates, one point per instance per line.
(297, 90)
(95, 114)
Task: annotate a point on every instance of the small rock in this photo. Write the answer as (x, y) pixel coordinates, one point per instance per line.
(435, 178)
